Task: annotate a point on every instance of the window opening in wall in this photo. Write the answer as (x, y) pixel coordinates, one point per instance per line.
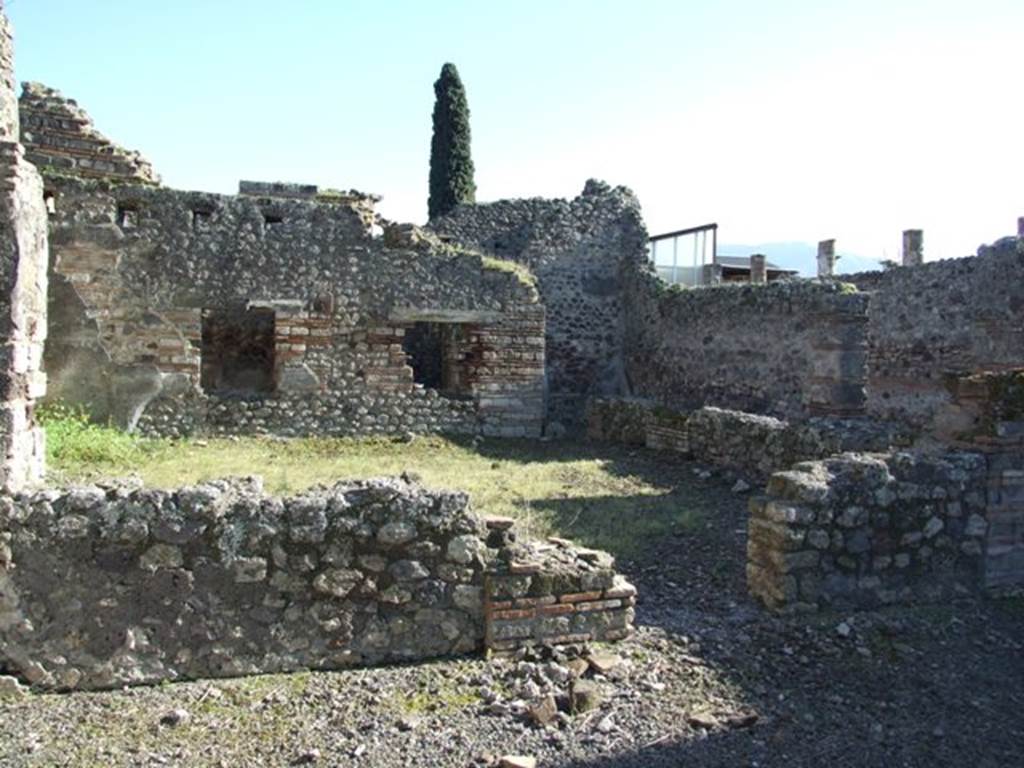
(127, 216)
(200, 218)
(436, 352)
(271, 217)
(50, 199)
(238, 351)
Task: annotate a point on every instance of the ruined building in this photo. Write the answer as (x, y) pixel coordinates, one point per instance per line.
(278, 310)
(883, 415)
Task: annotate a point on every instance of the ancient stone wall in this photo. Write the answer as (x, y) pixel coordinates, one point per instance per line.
(752, 444)
(577, 249)
(939, 318)
(786, 349)
(23, 259)
(58, 135)
(140, 273)
(861, 530)
(103, 587)
(986, 414)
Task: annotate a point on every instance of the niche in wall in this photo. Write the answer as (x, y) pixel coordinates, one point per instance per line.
(435, 353)
(238, 351)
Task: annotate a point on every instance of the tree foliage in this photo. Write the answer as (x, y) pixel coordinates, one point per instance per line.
(451, 163)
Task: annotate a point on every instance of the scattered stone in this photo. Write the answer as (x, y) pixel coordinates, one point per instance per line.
(585, 695)
(517, 761)
(577, 667)
(603, 663)
(843, 629)
(11, 688)
(740, 486)
(308, 757)
(175, 718)
(409, 723)
(702, 720)
(543, 712)
(743, 720)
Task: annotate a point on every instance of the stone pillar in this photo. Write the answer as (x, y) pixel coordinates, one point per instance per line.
(758, 269)
(711, 274)
(23, 265)
(826, 259)
(1020, 226)
(913, 247)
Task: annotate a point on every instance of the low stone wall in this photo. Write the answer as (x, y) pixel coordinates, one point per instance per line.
(863, 530)
(753, 444)
(103, 587)
(618, 420)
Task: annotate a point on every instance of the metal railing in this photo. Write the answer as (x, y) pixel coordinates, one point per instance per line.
(680, 256)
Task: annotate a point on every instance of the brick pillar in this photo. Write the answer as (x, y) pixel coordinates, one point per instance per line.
(23, 264)
(758, 269)
(1020, 226)
(913, 247)
(711, 274)
(826, 259)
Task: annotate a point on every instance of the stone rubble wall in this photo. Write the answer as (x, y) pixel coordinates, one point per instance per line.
(862, 530)
(130, 291)
(553, 594)
(23, 286)
(749, 443)
(986, 414)
(787, 349)
(928, 321)
(109, 586)
(577, 249)
(59, 136)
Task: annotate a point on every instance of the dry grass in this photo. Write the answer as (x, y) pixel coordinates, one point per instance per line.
(602, 495)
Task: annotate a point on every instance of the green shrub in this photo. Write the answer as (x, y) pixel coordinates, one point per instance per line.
(73, 439)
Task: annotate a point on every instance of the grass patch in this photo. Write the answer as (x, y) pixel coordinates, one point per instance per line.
(524, 275)
(611, 497)
(76, 444)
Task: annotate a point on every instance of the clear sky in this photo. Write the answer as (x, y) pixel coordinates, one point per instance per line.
(782, 120)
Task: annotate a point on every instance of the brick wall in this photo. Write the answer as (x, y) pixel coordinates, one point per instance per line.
(23, 284)
(60, 137)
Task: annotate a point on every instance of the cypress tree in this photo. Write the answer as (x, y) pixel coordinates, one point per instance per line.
(451, 164)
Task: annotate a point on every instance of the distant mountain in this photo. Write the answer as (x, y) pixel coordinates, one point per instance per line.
(802, 257)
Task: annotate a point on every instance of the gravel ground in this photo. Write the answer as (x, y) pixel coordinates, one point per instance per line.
(708, 680)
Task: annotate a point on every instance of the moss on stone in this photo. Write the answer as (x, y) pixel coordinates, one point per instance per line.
(524, 275)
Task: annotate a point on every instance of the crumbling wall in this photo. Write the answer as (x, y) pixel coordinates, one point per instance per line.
(103, 587)
(867, 530)
(147, 267)
(753, 444)
(939, 318)
(577, 249)
(59, 136)
(23, 254)
(783, 349)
